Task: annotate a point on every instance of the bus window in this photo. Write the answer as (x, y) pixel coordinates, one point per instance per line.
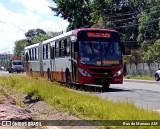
(35, 56)
(32, 55)
(65, 47)
(29, 54)
(52, 52)
(57, 49)
(46, 51)
(37, 53)
(43, 52)
(68, 48)
(60, 47)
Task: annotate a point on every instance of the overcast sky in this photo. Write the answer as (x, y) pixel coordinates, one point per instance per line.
(18, 16)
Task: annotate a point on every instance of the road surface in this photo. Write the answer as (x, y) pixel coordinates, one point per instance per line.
(143, 95)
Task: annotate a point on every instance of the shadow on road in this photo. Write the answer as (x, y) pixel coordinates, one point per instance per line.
(118, 90)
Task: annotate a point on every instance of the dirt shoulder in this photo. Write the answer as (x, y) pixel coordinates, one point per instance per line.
(21, 107)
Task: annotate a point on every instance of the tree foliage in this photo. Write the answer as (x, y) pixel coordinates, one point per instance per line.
(76, 12)
(32, 36)
(153, 53)
(33, 33)
(19, 47)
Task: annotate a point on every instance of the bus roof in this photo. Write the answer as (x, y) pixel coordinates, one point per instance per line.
(73, 32)
(31, 46)
(97, 29)
(58, 37)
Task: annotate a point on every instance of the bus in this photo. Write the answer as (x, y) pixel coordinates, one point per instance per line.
(86, 56)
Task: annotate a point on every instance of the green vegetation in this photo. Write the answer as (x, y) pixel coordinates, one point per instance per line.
(137, 22)
(3, 95)
(140, 77)
(82, 105)
(33, 36)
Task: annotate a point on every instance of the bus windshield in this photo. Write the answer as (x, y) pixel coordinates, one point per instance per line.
(101, 53)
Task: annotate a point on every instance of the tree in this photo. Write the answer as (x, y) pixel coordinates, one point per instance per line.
(152, 55)
(76, 12)
(32, 33)
(19, 47)
(149, 24)
(53, 34)
(40, 38)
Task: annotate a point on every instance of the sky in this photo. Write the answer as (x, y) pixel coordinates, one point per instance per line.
(18, 16)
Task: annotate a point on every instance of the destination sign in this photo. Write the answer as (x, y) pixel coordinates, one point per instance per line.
(99, 35)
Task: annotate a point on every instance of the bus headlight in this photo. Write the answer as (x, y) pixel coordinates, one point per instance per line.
(118, 73)
(84, 73)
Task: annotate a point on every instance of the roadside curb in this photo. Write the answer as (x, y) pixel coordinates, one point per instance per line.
(140, 81)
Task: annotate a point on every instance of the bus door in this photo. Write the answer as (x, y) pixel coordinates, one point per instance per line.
(74, 52)
(52, 60)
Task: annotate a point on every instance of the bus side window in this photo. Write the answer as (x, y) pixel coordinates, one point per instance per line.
(57, 49)
(52, 56)
(32, 54)
(46, 51)
(35, 55)
(49, 51)
(68, 48)
(65, 47)
(43, 52)
(29, 54)
(60, 47)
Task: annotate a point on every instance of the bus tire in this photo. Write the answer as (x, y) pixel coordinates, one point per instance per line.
(31, 71)
(68, 79)
(105, 87)
(49, 74)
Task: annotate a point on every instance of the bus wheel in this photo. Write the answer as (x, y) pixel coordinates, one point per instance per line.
(68, 79)
(31, 72)
(49, 74)
(105, 87)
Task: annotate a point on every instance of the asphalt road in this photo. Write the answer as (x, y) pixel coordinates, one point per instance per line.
(5, 73)
(143, 94)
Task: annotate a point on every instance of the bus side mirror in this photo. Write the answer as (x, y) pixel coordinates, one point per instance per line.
(73, 38)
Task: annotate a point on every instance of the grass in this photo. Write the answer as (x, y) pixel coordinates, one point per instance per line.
(139, 77)
(82, 105)
(3, 95)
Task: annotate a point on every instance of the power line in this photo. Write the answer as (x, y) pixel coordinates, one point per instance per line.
(119, 27)
(2, 21)
(126, 19)
(132, 13)
(16, 26)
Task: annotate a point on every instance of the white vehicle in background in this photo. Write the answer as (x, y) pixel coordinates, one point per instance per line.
(2, 68)
(16, 65)
(157, 75)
